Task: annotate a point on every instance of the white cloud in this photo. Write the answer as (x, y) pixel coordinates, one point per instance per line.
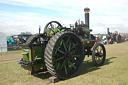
(103, 14)
(21, 22)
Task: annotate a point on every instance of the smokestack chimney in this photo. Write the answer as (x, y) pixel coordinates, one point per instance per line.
(108, 31)
(86, 11)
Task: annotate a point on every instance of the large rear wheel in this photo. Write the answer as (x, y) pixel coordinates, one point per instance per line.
(64, 55)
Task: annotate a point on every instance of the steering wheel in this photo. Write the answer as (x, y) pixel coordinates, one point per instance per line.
(51, 25)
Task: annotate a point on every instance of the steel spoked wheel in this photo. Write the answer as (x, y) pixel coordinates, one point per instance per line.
(51, 25)
(98, 54)
(64, 55)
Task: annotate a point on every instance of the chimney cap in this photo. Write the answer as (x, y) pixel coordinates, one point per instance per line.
(86, 10)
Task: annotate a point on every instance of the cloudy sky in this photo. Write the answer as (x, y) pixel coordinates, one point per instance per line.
(18, 16)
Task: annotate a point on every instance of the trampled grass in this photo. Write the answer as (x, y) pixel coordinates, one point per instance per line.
(113, 72)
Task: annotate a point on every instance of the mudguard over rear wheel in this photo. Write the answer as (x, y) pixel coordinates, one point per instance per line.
(64, 55)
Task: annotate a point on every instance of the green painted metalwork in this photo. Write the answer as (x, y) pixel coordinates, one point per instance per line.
(51, 31)
(87, 30)
(62, 30)
(38, 55)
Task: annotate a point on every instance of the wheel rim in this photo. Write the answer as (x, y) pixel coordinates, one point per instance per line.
(66, 56)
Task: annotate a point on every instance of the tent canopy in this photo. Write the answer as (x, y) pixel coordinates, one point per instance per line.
(3, 42)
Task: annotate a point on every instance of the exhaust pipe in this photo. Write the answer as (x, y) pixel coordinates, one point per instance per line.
(108, 31)
(86, 11)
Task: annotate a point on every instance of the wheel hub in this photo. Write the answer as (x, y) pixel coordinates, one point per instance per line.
(68, 55)
(99, 54)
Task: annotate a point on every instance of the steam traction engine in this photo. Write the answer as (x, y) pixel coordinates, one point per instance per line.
(61, 50)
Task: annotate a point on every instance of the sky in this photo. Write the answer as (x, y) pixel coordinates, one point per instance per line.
(18, 16)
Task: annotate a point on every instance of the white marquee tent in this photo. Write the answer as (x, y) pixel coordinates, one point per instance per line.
(3, 42)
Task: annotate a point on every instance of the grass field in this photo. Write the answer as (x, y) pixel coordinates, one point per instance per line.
(114, 72)
(10, 55)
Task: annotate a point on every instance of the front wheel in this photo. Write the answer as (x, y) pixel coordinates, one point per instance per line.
(98, 54)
